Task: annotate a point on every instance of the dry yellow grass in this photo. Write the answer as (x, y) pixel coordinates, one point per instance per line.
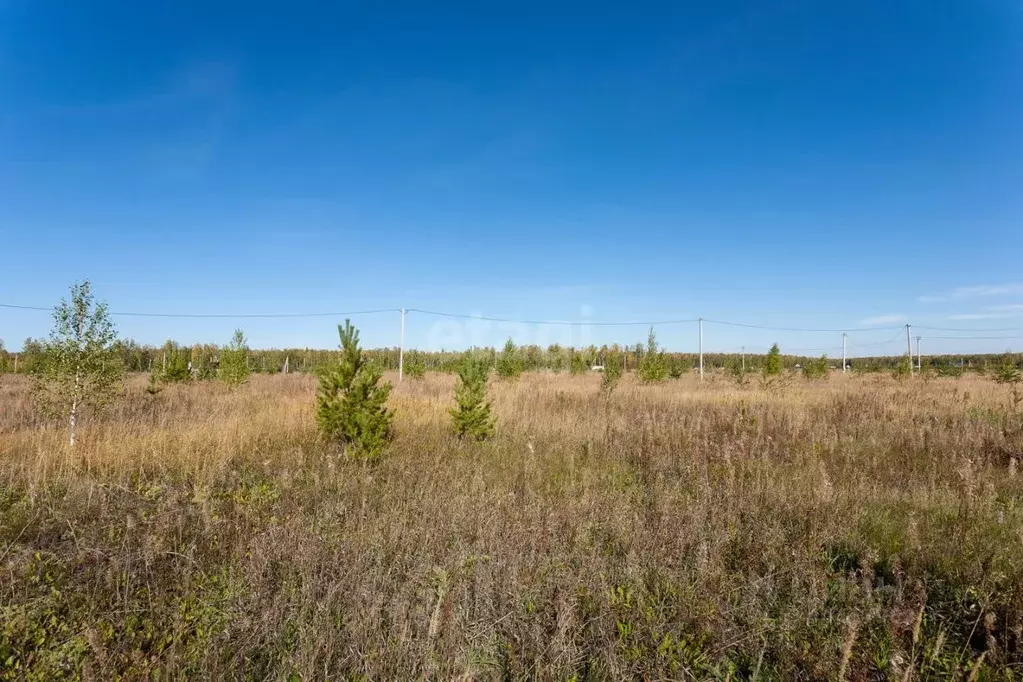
(675, 531)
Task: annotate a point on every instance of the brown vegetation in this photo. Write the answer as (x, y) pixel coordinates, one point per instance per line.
(861, 526)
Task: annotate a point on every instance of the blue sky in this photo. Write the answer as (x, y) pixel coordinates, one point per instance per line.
(794, 164)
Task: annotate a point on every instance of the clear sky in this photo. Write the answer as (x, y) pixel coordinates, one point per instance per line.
(795, 164)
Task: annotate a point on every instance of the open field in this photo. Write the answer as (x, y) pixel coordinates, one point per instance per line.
(859, 527)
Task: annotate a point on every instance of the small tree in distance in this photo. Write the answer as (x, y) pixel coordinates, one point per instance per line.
(471, 417)
(349, 402)
(652, 366)
(816, 368)
(234, 361)
(80, 367)
(415, 368)
(772, 365)
(509, 364)
(577, 365)
(1007, 372)
(611, 375)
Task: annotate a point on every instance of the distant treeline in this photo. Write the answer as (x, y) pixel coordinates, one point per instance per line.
(203, 358)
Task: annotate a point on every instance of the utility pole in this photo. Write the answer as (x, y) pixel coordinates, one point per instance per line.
(744, 358)
(919, 361)
(701, 348)
(909, 346)
(401, 348)
(844, 335)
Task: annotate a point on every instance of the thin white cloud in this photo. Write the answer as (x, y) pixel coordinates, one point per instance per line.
(891, 318)
(977, 291)
(981, 316)
(992, 312)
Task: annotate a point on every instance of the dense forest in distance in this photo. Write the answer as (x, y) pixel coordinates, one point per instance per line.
(203, 358)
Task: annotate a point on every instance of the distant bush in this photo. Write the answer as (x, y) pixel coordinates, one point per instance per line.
(904, 369)
(950, 370)
(816, 368)
(415, 368)
(676, 368)
(509, 363)
(611, 375)
(652, 367)
(736, 369)
(577, 365)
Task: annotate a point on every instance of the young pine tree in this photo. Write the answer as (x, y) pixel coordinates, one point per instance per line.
(79, 366)
(772, 365)
(234, 361)
(509, 364)
(736, 369)
(652, 367)
(471, 417)
(350, 401)
(1007, 372)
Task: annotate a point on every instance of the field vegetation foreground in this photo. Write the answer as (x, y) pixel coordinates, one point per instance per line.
(855, 528)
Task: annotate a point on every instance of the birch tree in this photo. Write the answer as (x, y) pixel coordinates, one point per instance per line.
(80, 367)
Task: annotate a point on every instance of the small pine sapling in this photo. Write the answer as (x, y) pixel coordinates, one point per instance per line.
(1007, 372)
(772, 365)
(350, 401)
(234, 361)
(471, 416)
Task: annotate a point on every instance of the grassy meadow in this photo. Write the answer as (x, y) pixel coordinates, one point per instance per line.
(858, 528)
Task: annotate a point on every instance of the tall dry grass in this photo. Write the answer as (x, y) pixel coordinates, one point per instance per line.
(859, 526)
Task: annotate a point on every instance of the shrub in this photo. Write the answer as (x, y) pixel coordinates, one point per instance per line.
(415, 367)
(816, 368)
(174, 365)
(652, 366)
(904, 369)
(350, 401)
(950, 370)
(577, 365)
(471, 417)
(611, 375)
(509, 364)
(736, 369)
(676, 368)
(234, 361)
